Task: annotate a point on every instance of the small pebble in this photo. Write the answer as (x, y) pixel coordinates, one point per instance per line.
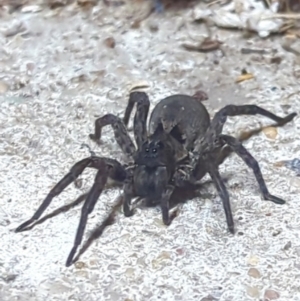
(78, 183)
(31, 9)
(130, 272)
(294, 165)
(271, 295)
(253, 260)
(252, 291)
(3, 87)
(87, 2)
(180, 251)
(110, 42)
(57, 3)
(81, 274)
(276, 60)
(79, 265)
(270, 132)
(153, 26)
(209, 298)
(287, 245)
(30, 67)
(254, 273)
(8, 277)
(200, 95)
(158, 262)
(158, 5)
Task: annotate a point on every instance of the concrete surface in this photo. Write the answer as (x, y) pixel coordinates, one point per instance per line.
(56, 76)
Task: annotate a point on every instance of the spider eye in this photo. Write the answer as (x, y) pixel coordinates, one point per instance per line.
(159, 145)
(154, 150)
(147, 150)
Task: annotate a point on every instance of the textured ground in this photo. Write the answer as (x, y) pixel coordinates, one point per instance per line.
(56, 76)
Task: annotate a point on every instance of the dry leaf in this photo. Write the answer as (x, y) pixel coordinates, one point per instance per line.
(244, 77)
(140, 85)
(31, 9)
(57, 3)
(279, 164)
(200, 95)
(86, 2)
(205, 46)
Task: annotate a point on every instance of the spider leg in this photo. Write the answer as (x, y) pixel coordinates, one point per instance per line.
(140, 118)
(222, 191)
(164, 202)
(232, 110)
(56, 212)
(165, 205)
(94, 193)
(75, 171)
(210, 139)
(244, 154)
(226, 150)
(97, 232)
(218, 155)
(120, 131)
(117, 173)
(128, 195)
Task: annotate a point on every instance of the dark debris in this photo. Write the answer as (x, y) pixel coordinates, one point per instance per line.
(294, 165)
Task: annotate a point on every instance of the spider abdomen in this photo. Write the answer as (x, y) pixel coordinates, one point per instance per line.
(182, 116)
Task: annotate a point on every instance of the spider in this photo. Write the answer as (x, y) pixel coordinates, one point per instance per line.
(180, 147)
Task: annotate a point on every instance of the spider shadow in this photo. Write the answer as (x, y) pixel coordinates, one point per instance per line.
(179, 197)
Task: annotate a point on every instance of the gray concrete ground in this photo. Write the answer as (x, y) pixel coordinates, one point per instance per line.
(56, 76)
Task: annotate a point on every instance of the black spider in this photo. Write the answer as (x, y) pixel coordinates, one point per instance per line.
(181, 147)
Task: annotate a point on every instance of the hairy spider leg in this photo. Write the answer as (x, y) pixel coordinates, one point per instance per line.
(226, 150)
(74, 173)
(210, 140)
(242, 152)
(128, 195)
(165, 205)
(120, 132)
(140, 118)
(142, 102)
(164, 201)
(57, 211)
(213, 171)
(110, 167)
(88, 206)
(212, 168)
(220, 118)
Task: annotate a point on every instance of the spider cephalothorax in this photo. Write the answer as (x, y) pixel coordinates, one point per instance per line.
(182, 145)
(155, 164)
